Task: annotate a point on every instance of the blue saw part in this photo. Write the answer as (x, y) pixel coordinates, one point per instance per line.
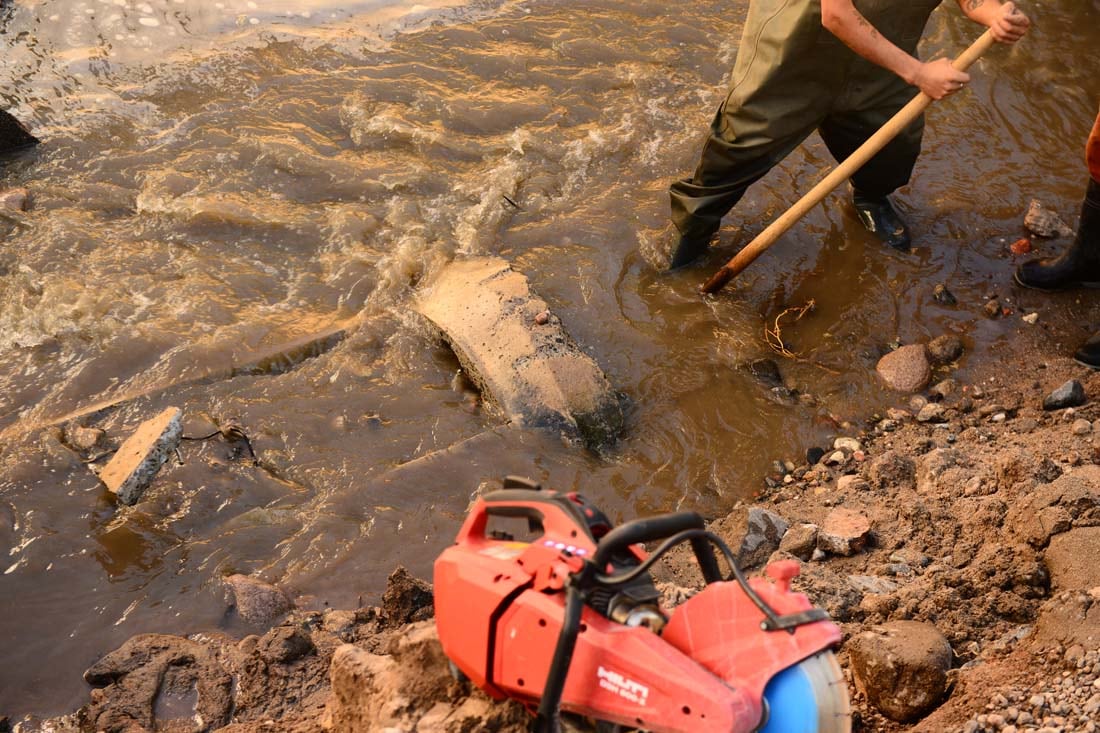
(792, 702)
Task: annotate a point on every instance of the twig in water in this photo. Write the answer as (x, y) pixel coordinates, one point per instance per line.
(513, 203)
(774, 334)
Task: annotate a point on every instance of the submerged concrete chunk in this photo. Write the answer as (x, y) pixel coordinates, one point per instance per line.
(141, 456)
(526, 366)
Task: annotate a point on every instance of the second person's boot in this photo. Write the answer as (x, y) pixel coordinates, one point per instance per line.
(1078, 266)
(879, 217)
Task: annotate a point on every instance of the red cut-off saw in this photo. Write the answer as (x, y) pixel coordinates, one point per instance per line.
(571, 621)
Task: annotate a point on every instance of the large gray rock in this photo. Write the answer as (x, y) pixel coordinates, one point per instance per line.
(530, 370)
(764, 533)
(1070, 394)
(142, 454)
(902, 668)
(905, 369)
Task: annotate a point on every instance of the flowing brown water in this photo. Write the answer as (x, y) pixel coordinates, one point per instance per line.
(219, 180)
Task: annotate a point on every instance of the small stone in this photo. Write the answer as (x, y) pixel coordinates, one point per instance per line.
(932, 412)
(83, 438)
(1070, 394)
(1082, 427)
(849, 444)
(800, 541)
(906, 369)
(844, 532)
(872, 584)
(945, 388)
(899, 415)
(1042, 222)
(1031, 318)
(813, 455)
(14, 199)
(257, 602)
(992, 308)
(916, 402)
(543, 318)
(941, 294)
(836, 458)
(845, 484)
(999, 417)
(945, 349)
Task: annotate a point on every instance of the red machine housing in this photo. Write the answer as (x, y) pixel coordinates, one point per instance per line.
(500, 608)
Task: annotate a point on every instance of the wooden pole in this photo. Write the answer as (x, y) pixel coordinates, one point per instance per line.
(841, 173)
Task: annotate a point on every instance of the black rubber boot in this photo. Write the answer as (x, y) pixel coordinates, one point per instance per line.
(689, 249)
(1078, 266)
(1088, 353)
(878, 216)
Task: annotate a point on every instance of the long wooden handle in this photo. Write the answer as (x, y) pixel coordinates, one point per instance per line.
(841, 173)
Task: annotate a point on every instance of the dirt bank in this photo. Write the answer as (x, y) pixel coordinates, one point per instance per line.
(982, 518)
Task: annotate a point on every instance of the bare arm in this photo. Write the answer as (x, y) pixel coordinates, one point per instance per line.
(1003, 18)
(937, 79)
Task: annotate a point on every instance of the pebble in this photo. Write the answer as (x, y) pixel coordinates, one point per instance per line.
(1082, 427)
(942, 295)
(543, 318)
(1031, 318)
(1064, 704)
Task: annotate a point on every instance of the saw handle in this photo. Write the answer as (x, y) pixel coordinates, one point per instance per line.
(841, 173)
(643, 530)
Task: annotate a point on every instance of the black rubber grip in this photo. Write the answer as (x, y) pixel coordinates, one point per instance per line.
(644, 530)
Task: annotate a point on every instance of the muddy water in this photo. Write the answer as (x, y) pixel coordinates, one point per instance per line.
(222, 182)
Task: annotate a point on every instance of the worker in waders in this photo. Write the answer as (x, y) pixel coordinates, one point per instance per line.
(840, 67)
(1079, 266)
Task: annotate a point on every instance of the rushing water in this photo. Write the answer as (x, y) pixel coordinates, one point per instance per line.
(220, 179)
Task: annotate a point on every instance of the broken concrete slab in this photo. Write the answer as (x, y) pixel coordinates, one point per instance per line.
(142, 454)
(532, 372)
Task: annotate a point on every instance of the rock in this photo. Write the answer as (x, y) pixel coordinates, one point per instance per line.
(944, 389)
(1031, 318)
(1042, 222)
(933, 412)
(158, 682)
(766, 371)
(1070, 394)
(844, 532)
(13, 135)
(14, 199)
(872, 584)
(1071, 559)
(83, 438)
(542, 318)
(1081, 427)
(847, 444)
(142, 454)
(407, 599)
(892, 470)
(763, 535)
(836, 458)
(533, 377)
(906, 369)
(945, 349)
(846, 484)
(373, 692)
(813, 455)
(284, 644)
(992, 308)
(800, 541)
(942, 295)
(257, 602)
(901, 667)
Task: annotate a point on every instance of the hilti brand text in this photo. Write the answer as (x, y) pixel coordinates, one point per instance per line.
(622, 686)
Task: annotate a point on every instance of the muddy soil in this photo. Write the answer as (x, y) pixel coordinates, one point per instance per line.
(977, 518)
